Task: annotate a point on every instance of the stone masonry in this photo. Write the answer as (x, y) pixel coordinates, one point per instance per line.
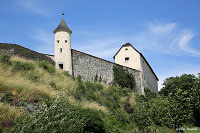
(88, 66)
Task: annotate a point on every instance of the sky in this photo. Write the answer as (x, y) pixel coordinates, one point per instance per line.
(166, 32)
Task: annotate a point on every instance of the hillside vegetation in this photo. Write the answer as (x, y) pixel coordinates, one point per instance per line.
(36, 97)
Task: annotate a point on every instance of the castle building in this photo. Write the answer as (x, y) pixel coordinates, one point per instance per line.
(89, 66)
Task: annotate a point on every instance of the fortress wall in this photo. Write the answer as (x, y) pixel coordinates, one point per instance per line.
(88, 66)
(16, 50)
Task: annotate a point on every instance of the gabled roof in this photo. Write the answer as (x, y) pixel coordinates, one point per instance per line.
(128, 44)
(62, 27)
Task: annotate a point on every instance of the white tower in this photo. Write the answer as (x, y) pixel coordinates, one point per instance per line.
(62, 49)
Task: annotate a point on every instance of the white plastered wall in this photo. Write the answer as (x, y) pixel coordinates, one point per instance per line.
(134, 61)
(134, 58)
(148, 78)
(63, 57)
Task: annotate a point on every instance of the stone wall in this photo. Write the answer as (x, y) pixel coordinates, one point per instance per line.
(16, 50)
(88, 66)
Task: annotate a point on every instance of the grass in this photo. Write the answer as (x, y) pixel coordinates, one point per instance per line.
(38, 82)
(8, 115)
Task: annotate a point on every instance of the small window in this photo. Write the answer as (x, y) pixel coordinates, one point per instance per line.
(126, 49)
(60, 49)
(65, 41)
(127, 58)
(58, 41)
(61, 66)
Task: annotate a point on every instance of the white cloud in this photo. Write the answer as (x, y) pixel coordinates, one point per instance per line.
(157, 37)
(160, 29)
(33, 6)
(166, 38)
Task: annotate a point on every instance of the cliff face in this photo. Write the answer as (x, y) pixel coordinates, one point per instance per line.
(16, 50)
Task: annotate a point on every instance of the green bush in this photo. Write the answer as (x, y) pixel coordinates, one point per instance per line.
(93, 86)
(5, 59)
(61, 117)
(79, 91)
(111, 97)
(22, 66)
(92, 121)
(7, 97)
(47, 66)
(149, 94)
(123, 78)
(160, 111)
(184, 90)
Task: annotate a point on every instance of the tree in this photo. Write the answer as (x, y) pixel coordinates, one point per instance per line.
(185, 90)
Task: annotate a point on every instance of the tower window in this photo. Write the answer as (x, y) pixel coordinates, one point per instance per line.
(60, 49)
(61, 66)
(65, 41)
(58, 41)
(126, 49)
(126, 58)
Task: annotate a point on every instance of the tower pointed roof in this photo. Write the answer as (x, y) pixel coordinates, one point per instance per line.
(62, 27)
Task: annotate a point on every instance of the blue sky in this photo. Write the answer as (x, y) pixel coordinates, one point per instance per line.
(166, 32)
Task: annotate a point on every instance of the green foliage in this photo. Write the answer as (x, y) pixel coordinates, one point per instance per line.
(7, 97)
(22, 66)
(79, 91)
(66, 73)
(160, 111)
(93, 86)
(47, 66)
(34, 77)
(149, 94)
(184, 90)
(173, 85)
(86, 90)
(92, 120)
(5, 59)
(123, 78)
(61, 117)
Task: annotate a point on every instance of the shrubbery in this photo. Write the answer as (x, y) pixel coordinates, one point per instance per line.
(47, 66)
(5, 59)
(61, 117)
(22, 66)
(123, 78)
(185, 90)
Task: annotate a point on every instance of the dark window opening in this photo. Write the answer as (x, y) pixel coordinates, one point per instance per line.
(126, 49)
(127, 58)
(61, 66)
(60, 49)
(65, 41)
(58, 41)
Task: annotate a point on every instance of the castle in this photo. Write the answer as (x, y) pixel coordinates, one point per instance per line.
(88, 66)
